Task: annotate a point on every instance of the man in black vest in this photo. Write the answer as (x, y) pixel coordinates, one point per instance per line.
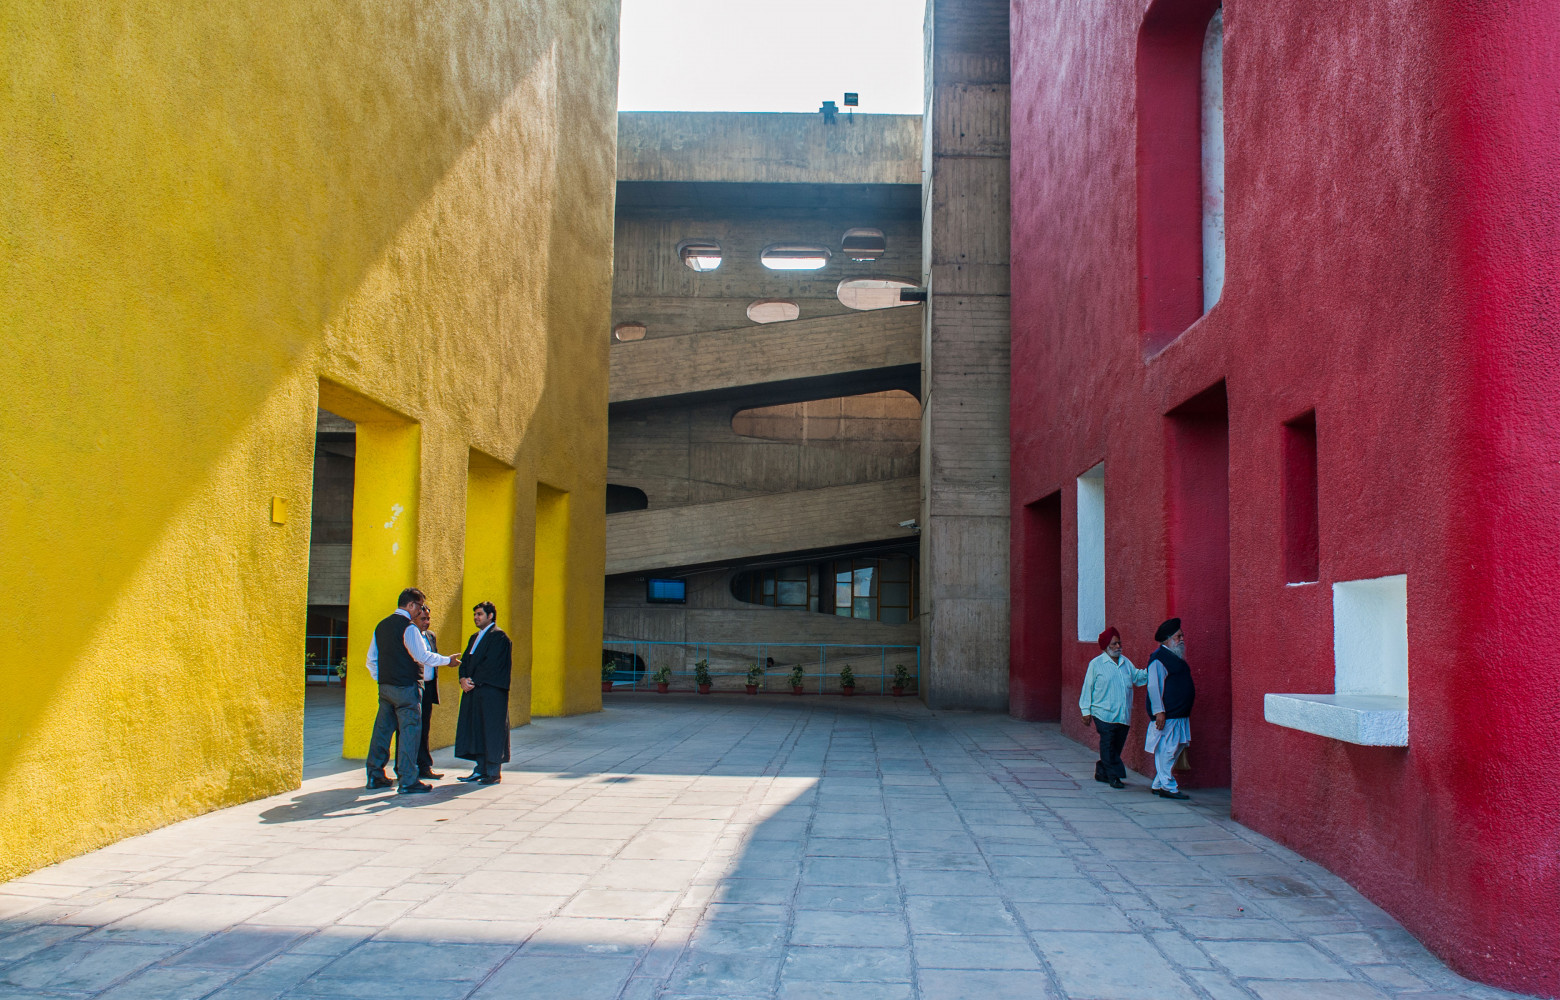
(397, 656)
(1170, 697)
(430, 698)
(482, 728)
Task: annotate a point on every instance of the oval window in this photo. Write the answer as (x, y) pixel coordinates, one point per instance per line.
(773, 311)
(872, 293)
(629, 331)
(795, 257)
(700, 255)
(863, 244)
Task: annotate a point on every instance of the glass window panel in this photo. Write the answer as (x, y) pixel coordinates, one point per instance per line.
(842, 596)
(866, 582)
(895, 616)
(793, 573)
(896, 594)
(895, 569)
(791, 594)
(842, 610)
(864, 607)
(769, 585)
(812, 603)
(842, 572)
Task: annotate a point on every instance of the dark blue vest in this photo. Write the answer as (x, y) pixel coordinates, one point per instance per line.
(396, 666)
(1179, 691)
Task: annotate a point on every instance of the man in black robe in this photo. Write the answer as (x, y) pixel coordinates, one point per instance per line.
(482, 727)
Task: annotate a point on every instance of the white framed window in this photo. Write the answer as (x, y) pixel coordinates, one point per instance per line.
(1091, 553)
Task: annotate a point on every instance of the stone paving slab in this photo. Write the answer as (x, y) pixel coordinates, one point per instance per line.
(741, 848)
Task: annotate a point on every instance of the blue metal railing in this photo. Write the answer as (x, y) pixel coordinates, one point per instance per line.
(320, 667)
(872, 664)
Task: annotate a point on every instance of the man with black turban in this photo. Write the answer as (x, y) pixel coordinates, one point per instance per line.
(1170, 697)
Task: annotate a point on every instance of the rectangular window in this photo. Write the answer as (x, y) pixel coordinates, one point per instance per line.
(1091, 553)
(1180, 161)
(666, 591)
(1302, 528)
(1370, 637)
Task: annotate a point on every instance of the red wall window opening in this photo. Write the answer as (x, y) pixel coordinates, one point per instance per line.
(1170, 155)
(1302, 527)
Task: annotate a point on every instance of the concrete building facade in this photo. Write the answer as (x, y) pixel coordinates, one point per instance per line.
(764, 429)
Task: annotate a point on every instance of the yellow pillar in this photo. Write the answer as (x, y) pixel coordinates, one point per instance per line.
(550, 605)
(489, 572)
(384, 541)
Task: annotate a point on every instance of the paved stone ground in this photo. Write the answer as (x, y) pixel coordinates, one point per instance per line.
(725, 847)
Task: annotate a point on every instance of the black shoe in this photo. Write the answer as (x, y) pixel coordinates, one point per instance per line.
(489, 779)
(416, 789)
(1170, 795)
(379, 780)
(430, 773)
(473, 776)
(1100, 778)
(1117, 783)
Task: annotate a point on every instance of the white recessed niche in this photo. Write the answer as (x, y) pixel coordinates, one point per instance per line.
(1091, 553)
(1369, 702)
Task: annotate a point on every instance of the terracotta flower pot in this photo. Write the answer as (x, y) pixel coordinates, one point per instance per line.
(897, 692)
(847, 691)
(663, 688)
(606, 686)
(752, 689)
(796, 689)
(704, 689)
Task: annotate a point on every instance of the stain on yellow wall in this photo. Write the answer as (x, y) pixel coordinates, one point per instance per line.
(215, 218)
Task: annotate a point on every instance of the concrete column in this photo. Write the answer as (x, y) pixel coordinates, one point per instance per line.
(964, 466)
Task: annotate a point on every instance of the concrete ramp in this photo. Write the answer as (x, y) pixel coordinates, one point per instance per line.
(807, 349)
(699, 534)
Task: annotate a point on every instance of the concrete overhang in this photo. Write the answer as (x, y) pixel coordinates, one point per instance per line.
(764, 148)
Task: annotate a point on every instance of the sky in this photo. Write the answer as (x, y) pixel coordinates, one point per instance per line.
(770, 55)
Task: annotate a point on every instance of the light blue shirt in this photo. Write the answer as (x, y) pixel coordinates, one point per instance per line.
(1107, 689)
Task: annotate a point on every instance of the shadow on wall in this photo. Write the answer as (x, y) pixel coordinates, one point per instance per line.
(242, 264)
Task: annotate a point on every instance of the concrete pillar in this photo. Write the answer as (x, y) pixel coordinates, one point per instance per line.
(964, 466)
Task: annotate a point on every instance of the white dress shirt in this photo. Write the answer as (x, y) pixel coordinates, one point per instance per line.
(479, 636)
(415, 645)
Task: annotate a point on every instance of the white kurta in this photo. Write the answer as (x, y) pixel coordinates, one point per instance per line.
(1165, 744)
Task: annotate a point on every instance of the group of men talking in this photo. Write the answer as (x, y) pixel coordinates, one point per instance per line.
(1106, 700)
(404, 660)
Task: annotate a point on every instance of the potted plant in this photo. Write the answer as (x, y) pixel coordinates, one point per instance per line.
(341, 671)
(663, 679)
(608, 670)
(701, 676)
(797, 677)
(901, 680)
(755, 677)
(847, 681)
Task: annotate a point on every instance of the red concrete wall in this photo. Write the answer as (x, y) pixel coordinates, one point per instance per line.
(1393, 239)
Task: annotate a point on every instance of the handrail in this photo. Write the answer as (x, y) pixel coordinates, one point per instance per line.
(728, 660)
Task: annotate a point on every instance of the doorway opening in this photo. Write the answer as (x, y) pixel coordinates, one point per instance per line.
(380, 551)
(330, 574)
(1035, 669)
(489, 571)
(1198, 532)
(550, 694)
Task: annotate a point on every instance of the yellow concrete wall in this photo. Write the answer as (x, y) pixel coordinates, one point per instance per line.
(206, 211)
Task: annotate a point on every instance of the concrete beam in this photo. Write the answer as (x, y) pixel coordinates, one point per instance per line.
(701, 534)
(829, 347)
(746, 147)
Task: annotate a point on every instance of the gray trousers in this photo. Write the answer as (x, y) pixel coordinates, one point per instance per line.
(400, 714)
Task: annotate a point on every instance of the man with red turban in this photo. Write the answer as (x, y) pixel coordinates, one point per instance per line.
(1106, 700)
